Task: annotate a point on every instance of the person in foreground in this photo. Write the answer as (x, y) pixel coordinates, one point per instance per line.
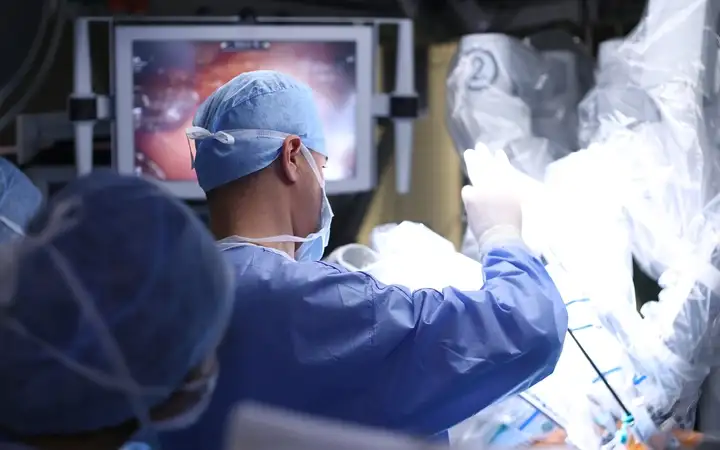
(111, 309)
(313, 337)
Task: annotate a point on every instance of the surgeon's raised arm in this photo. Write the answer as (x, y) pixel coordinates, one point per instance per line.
(457, 351)
(450, 354)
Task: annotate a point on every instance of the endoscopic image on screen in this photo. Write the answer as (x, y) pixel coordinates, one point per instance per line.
(172, 78)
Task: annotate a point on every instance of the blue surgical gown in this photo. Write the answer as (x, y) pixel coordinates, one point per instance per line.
(316, 338)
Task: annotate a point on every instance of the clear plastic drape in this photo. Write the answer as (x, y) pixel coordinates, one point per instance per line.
(644, 183)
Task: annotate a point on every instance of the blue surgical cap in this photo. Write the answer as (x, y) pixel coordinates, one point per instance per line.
(19, 200)
(110, 259)
(260, 100)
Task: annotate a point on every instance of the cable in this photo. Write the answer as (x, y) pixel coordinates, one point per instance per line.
(600, 374)
(49, 7)
(42, 72)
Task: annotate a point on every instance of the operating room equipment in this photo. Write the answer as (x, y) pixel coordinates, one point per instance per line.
(353, 101)
(616, 99)
(52, 9)
(506, 94)
(642, 186)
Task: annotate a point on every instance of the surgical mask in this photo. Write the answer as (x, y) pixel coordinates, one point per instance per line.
(313, 246)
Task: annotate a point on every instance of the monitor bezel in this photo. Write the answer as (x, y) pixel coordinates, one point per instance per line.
(365, 177)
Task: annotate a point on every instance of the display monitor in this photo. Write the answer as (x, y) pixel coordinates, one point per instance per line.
(164, 72)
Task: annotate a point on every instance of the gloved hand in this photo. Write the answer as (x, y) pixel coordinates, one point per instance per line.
(493, 207)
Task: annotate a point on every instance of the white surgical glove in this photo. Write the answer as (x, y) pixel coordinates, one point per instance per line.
(493, 207)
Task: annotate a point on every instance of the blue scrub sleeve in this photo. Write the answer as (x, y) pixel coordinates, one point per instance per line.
(437, 358)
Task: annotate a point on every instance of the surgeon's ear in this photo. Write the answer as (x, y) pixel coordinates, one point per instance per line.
(290, 158)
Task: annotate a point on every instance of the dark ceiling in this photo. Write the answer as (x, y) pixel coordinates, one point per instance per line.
(447, 19)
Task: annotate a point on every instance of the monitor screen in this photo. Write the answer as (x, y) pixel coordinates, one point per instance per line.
(172, 78)
(163, 72)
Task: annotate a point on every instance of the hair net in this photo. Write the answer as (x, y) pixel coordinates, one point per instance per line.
(263, 100)
(116, 293)
(19, 200)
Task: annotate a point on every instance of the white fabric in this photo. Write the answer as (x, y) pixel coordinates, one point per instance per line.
(411, 255)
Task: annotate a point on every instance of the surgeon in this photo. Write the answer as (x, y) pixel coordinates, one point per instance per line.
(313, 337)
(19, 201)
(111, 309)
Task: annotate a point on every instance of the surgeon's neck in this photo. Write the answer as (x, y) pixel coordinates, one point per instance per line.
(257, 214)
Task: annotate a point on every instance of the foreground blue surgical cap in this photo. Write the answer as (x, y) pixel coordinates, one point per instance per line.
(260, 100)
(112, 271)
(19, 201)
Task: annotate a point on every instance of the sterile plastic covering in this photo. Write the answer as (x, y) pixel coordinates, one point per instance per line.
(505, 93)
(616, 98)
(647, 186)
(592, 298)
(662, 164)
